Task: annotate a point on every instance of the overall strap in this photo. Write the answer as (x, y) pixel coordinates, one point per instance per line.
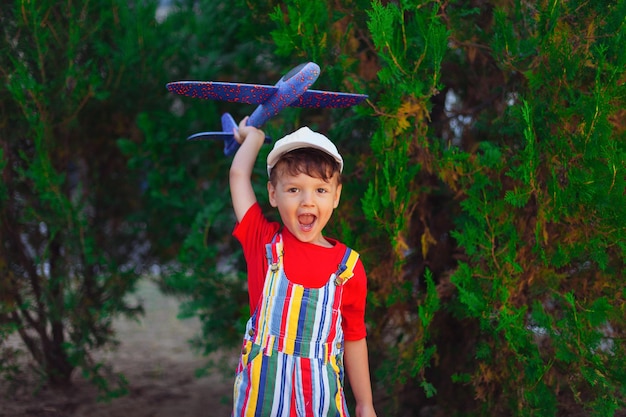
(274, 251)
(345, 269)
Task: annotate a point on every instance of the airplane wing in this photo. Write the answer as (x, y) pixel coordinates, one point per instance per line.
(211, 136)
(234, 92)
(332, 99)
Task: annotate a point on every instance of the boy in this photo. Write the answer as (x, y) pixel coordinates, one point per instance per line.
(306, 291)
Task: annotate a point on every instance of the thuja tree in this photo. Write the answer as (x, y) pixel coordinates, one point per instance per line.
(544, 274)
(531, 147)
(496, 188)
(74, 76)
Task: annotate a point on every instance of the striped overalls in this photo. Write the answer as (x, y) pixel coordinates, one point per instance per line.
(291, 362)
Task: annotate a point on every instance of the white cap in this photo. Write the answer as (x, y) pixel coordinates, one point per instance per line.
(302, 138)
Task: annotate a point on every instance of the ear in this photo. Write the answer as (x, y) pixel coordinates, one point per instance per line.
(271, 192)
(337, 195)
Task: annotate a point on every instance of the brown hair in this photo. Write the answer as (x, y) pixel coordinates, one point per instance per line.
(310, 161)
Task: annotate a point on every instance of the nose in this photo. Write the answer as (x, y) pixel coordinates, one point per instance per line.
(307, 198)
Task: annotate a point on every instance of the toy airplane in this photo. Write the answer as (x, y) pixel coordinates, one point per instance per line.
(291, 90)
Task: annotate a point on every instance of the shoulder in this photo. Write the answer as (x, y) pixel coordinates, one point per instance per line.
(348, 254)
(350, 262)
(254, 226)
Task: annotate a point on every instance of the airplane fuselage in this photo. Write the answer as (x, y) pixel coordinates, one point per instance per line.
(291, 86)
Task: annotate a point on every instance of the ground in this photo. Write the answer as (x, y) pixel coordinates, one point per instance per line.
(156, 359)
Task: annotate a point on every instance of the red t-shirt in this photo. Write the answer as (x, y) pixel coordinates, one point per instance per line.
(305, 263)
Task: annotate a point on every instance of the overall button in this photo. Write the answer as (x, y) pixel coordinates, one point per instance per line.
(251, 332)
(338, 345)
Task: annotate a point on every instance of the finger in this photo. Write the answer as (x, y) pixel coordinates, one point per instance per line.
(237, 135)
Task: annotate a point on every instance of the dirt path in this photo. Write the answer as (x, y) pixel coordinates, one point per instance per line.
(155, 358)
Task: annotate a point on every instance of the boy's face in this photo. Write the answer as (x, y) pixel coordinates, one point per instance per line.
(305, 204)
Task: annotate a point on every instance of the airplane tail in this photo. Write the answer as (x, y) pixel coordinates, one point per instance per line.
(228, 126)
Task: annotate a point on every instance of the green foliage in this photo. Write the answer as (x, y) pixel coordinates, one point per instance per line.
(305, 24)
(410, 43)
(385, 203)
(67, 242)
(541, 229)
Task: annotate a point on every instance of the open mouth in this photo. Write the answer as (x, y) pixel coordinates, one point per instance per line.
(306, 221)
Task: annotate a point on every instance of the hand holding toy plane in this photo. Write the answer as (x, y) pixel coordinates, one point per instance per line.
(291, 90)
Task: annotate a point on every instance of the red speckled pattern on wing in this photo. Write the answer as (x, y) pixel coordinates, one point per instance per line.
(316, 99)
(234, 92)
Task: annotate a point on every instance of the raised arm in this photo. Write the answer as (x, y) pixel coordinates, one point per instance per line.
(241, 192)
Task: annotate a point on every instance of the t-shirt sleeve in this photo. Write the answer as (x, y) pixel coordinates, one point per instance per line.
(353, 305)
(253, 232)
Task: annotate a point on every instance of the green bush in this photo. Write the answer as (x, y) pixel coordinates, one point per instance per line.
(75, 76)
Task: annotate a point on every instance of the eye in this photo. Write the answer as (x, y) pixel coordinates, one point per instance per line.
(322, 190)
(292, 190)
